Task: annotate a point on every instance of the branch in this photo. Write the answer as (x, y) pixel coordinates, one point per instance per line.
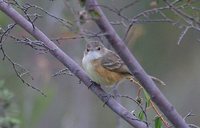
(187, 18)
(16, 67)
(136, 69)
(71, 65)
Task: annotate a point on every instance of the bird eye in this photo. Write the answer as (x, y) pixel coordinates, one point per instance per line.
(87, 50)
(98, 48)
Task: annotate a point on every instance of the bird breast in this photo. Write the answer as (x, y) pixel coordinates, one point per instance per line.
(97, 72)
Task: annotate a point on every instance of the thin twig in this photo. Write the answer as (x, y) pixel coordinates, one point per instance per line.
(62, 72)
(14, 64)
(182, 34)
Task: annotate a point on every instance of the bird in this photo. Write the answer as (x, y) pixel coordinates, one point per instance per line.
(105, 67)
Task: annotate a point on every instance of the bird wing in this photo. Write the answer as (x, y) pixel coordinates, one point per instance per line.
(114, 63)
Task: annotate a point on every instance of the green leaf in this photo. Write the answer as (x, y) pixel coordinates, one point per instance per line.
(158, 122)
(82, 3)
(147, 98)
(141, 115)
(94, 14)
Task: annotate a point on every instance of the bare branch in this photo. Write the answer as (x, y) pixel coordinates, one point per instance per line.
(187, 18)
(164, 105)
(80, 36)
(128, 5)
(181, 13)
(66, 23)
(193, 126)
(188, 115)
(145, 14)
(26, 7)
(63, 72)
(16, 67)
(71, 65)
(183, 34)
(36, 45)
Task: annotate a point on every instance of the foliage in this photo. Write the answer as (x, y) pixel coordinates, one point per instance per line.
(7, 108)
(158, 122)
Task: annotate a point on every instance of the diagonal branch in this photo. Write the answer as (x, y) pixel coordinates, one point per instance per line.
(71, 65)
(136, 69)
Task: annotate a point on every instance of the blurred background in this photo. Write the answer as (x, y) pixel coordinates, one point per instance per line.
(69, 104)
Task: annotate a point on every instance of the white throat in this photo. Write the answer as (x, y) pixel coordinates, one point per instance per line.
(92, 55)
(87, 59)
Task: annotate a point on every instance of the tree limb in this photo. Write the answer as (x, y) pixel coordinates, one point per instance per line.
(71, 65)
(136, 69)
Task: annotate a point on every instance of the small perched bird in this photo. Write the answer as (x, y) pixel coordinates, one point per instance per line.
(104, 66)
